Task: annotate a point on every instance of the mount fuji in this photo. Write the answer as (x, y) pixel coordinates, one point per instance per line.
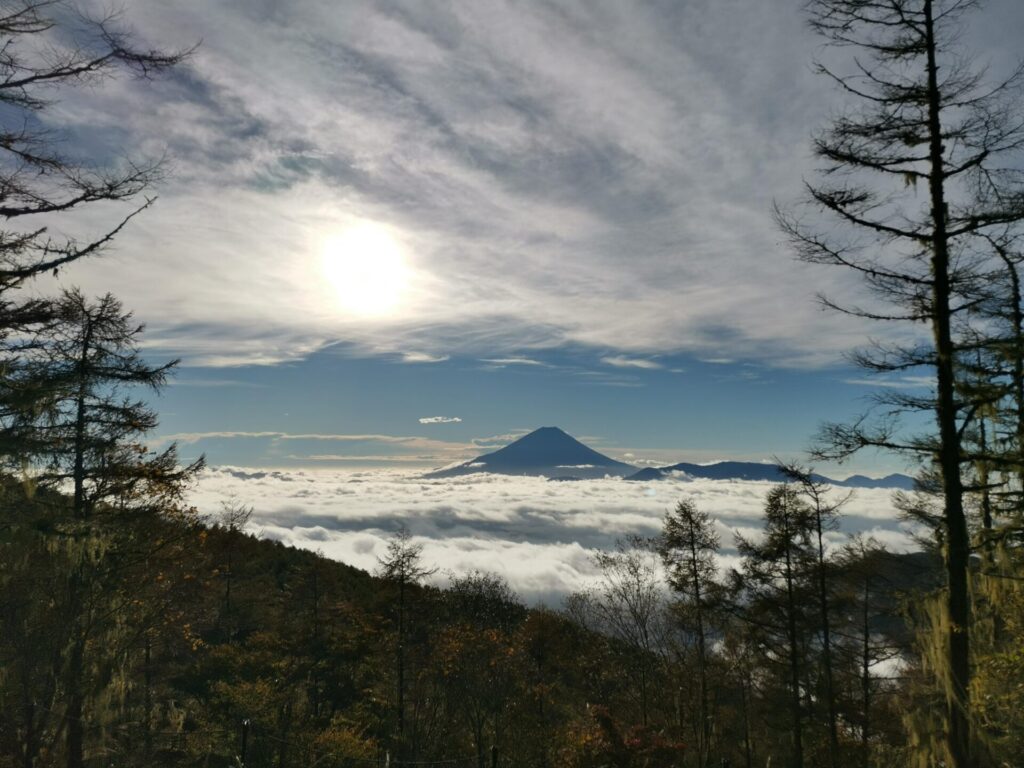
(547, 451)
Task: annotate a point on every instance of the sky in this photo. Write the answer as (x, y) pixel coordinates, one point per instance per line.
(399, 234)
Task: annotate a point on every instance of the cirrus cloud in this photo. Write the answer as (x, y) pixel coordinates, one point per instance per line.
(555, 138)
(620, 361)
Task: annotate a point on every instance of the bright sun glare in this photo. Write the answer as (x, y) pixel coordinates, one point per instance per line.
(366, 266)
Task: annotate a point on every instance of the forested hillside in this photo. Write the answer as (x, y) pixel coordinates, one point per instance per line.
(162, 640)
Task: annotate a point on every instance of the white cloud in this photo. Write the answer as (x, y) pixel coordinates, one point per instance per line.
(214, 383)
(355, 458)
(485, 135)
(503, 361)
(192, 437)
(353, 448)
(423, 357)
(538, 534)
(895, 382)
(499, 441)
(440, 420)
(620, 361)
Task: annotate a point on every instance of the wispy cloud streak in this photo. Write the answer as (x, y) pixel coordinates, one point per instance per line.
(586, 174)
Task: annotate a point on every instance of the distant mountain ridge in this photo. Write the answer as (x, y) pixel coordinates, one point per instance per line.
(752, 470)
(551, 452)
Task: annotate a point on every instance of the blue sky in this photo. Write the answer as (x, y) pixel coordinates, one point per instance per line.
(513, 214)
(334, 409)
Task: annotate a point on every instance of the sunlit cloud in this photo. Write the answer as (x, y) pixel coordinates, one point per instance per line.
(215, 383)
(293, 448)
(423, 357)
(440, 420)
(619, 361)
(894, 382)
(503, 361)
(354, 458)
(511, 167)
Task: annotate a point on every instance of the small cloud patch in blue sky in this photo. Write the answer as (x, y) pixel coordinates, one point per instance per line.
(621, 361)
(440, 420)
(423, 357)
(503, 361)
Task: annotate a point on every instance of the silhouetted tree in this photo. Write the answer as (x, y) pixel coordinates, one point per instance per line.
(775, 589)
(87, 434)
(50, 45)
(824, 514)
(402, 565)
(628, 604)
(920, 116)
(86, 431)
(688, 545)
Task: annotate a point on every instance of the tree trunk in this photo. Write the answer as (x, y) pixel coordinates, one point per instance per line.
(148, 699)
(643, 690)
(75, 742)
(826, 637)
(865, 680)
(986, 496)
(401, 658)
(957, 543)
(745, 702)
(28, 754)
(794, 661)
(698, 597)
(78, 471)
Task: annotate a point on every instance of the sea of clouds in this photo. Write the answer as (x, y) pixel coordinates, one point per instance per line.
(540, 535)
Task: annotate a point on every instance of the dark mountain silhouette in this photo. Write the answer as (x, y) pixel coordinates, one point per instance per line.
(552, 453)
(649, 473)
(751, 470)
(546, 451)
(889, 481)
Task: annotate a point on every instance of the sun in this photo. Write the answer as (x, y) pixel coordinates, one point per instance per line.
(367, 269)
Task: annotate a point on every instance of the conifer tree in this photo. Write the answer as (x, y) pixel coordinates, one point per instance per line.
(776, 588)
(86, 434)
(87, 431)
(688, 545)
(49, 47)
(917, 172)
(402, 565)
(824, 511)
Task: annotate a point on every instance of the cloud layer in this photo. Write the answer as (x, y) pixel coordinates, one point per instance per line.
(540, 535)
(579, 172)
